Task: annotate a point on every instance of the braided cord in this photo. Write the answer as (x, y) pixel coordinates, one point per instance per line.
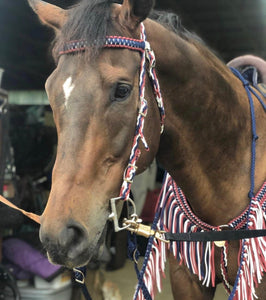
(252, 172)
(135, 152)
(154, 79)
(253, 130)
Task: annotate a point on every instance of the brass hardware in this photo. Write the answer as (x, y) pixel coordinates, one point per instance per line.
(219, 243)
(144, 230)
(114, 215)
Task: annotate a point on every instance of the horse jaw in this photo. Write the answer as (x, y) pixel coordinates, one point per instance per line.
(49, 14)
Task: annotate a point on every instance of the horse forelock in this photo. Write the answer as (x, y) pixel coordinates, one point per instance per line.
(89, 20)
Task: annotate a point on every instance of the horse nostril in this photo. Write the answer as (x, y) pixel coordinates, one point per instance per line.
(73, 239)
(67, 246)
(68, 236)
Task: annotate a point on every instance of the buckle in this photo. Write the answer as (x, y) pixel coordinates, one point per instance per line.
(79, 274)
(221, 244)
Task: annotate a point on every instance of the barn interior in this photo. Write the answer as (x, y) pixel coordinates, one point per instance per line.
(28, 136)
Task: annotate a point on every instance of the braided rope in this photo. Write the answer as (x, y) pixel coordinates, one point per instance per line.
(152, 74)
(109, 42)
(135, 152)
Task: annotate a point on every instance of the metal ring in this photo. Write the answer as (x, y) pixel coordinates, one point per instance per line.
(143, 114)
(128, 180)
(81, 281)
(133, 166)
(134, 256)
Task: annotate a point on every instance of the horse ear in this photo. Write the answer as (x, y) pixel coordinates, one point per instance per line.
(49, 14)
(135, 11)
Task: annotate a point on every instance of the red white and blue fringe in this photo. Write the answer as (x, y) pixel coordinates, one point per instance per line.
(175, 216)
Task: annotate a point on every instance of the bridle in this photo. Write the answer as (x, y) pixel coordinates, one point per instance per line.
(147, 55)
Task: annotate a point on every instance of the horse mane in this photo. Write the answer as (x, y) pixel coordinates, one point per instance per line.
(173, 23)
(91, 20)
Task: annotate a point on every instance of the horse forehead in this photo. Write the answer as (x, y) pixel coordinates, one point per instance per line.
(121, 58)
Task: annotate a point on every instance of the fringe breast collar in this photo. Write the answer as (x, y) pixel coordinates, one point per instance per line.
(173, 214)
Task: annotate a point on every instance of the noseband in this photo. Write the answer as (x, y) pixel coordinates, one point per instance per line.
(147, 54)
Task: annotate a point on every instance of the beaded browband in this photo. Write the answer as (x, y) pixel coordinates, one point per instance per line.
(110, 42)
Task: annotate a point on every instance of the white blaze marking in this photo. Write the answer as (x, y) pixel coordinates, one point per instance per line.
(68, 88)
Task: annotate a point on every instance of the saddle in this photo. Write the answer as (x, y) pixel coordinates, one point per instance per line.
(253, 69)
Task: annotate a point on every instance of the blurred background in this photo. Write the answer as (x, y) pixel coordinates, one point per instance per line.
(231, 28)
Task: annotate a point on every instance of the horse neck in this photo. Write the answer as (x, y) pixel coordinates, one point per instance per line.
(206, 143)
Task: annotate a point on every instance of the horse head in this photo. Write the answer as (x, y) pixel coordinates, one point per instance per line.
(94, 95)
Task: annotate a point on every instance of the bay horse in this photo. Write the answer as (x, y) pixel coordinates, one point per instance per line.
(94, 95)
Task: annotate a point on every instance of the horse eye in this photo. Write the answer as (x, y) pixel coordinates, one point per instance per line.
(120, 92)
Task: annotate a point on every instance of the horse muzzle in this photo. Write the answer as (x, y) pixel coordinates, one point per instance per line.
(71, 246)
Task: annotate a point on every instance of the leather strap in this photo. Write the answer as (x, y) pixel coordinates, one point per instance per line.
(205, 236)
(32, 216)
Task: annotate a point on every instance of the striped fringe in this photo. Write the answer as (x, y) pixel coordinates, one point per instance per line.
(154, 269)
(176, 216)
(253, 254)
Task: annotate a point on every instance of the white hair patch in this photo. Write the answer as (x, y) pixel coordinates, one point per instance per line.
(68, 88)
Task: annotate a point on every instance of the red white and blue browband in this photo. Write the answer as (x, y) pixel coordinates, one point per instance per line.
(110, 42)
